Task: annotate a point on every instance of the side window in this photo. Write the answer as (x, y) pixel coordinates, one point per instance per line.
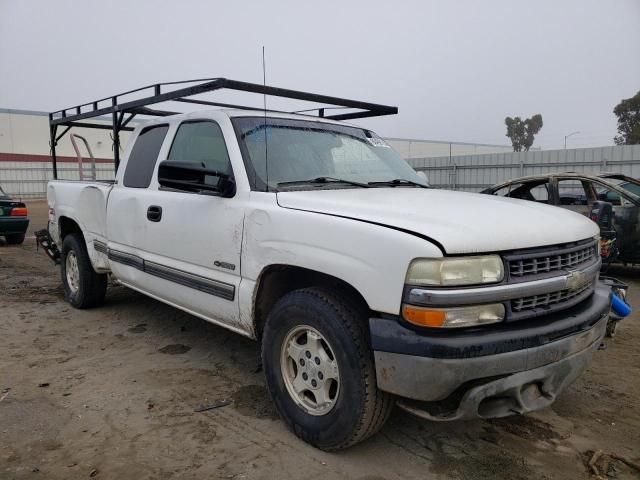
(573, 192)
(201, 142)
(535, 192)
(506, 190)
(540, 193)
(144, 154)
(607, 195)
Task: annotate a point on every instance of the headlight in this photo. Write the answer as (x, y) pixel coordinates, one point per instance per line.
(456, 271)
(598, 245)
(453, 317)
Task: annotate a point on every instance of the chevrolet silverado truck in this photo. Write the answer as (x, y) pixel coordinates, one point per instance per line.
(364, 287)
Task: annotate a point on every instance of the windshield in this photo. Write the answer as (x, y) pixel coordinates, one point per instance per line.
(612, 196)
(304, 151)
(631, 187)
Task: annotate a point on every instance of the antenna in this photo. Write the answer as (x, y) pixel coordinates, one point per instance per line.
(264, 100)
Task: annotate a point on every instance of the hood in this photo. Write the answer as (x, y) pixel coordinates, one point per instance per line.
(461, 222)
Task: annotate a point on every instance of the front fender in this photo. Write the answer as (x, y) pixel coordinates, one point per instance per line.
(373, 259)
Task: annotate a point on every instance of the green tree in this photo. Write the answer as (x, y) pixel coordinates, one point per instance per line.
(523, 132)
(628, 113)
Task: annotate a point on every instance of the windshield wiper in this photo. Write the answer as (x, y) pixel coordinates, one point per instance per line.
(397, 181)
(324, 180)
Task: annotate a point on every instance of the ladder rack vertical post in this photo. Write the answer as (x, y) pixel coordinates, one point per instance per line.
(52, 140)
(116, 135)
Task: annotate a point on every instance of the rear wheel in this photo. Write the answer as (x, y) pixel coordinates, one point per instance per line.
(14, 238)
(320, 371)
(83, 287)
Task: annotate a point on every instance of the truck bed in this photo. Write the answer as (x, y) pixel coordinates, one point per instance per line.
(83, 201)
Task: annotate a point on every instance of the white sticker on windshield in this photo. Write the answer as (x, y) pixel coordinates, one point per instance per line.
(377, 142)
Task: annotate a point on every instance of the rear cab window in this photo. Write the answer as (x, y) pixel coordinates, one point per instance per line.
(143, 156)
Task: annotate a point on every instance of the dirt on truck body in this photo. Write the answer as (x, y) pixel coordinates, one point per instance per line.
(138, 389)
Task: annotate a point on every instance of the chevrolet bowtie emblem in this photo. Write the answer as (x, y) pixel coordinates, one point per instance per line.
(576, 280)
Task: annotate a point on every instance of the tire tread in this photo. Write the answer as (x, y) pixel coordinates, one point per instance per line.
(94, 285)
(377, 404)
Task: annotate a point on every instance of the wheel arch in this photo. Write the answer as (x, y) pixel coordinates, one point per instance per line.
(277, 280)
(67, 225)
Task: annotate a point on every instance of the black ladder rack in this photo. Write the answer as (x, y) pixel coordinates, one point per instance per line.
(122, 112)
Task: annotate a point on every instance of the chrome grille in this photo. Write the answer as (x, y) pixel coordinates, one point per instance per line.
(551, 260)
(547, 299)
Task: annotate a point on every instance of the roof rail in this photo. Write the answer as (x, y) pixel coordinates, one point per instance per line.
(123, 111)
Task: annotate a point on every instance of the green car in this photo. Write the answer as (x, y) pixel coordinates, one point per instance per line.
(13, 219)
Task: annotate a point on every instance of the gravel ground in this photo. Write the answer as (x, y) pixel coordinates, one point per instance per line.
(112, 393)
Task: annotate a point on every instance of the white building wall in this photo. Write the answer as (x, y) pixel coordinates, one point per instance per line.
(27, 132)
(25, 166)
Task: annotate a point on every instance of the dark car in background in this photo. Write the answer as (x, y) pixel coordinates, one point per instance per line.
(13, 219)
(578, 192)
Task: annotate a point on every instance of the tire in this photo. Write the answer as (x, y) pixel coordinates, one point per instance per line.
(83, 287)
(355, 408)
(14, 238)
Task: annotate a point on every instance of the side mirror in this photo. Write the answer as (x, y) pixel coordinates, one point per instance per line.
(195, 177)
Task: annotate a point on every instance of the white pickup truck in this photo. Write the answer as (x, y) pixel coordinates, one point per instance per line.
(365, 287)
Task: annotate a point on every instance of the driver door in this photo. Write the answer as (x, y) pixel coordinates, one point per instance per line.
(189, 243)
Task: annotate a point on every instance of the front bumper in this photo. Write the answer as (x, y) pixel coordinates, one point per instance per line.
(13, 225)
(488, 372)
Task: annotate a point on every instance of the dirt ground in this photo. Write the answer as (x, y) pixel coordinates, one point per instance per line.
(111, 393)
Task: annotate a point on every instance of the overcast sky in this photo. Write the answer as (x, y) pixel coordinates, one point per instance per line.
(455, 69)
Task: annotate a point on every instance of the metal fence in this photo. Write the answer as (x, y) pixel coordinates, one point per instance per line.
(466, 172)
(476, 172)
(28, 180)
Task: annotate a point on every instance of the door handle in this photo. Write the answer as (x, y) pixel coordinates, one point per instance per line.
(154, 213)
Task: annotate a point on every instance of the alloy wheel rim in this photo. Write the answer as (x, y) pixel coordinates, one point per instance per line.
(310, 370)
(72, 271)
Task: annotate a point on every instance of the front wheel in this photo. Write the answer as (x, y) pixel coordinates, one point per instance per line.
(83, 287)
(319, 369)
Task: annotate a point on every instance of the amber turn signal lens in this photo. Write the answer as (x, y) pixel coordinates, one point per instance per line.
(454, 317)
(19, 212)
(424, 317)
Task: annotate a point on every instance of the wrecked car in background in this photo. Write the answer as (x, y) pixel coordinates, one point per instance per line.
(578, 192)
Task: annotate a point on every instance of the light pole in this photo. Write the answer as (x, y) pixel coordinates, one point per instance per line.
(565, 139)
